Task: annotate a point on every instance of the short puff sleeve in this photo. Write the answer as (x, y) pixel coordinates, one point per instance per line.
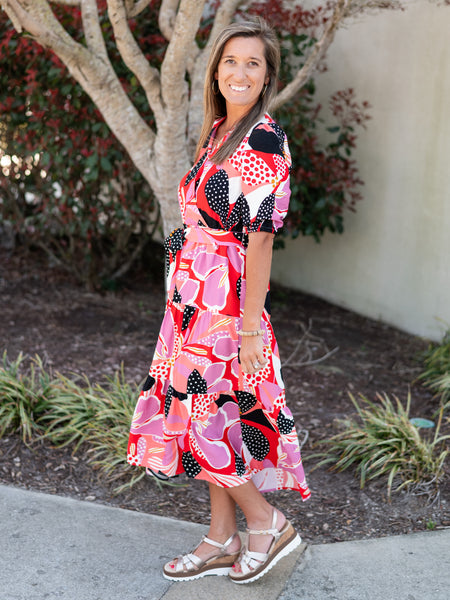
(263, 161)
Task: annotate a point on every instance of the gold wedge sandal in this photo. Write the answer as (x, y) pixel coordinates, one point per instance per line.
(256, 564)
(189, 566)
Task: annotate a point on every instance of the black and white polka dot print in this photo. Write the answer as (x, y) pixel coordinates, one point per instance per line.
(285, 424)
(217, 194)
(190, 465)
(170, 395)
(168, 401)
(239, 214)
(265, 210)
(188, 313)
(196, 384)
(246, 401)
(195, 169)
(280, 135)
(149, 383)
(239, 287)
(239, 464)
(173, 244)
(256, 442)
(176, 296)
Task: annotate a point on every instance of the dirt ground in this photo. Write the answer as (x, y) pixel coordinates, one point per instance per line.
(43, 312)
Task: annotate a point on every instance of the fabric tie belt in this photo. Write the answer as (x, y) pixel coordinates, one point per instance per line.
(214, 237)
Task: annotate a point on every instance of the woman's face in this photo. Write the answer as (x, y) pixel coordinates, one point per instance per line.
(242, 73)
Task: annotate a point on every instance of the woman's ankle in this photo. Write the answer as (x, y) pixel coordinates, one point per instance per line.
(265, 521)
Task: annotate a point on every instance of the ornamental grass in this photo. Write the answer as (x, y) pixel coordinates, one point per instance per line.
(24, 397)
(71, 412)
(436, 374)
(384, 443)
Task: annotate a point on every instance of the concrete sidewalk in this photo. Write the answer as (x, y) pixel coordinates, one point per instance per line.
(53, 547)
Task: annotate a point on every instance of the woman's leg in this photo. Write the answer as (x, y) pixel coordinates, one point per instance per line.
(258, 513)
(222, 524)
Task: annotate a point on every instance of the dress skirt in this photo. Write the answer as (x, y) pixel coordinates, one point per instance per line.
(198, 412)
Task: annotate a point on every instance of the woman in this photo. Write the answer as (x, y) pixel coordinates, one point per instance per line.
(213, 404)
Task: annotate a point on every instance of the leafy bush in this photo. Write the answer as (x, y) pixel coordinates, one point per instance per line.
(66, 184)
(436, 374)
(325, 179)
(385, 443)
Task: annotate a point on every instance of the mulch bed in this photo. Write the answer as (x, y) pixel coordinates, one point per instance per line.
(43, 312)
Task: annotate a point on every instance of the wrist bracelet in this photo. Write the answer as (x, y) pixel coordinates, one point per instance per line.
(251, 333)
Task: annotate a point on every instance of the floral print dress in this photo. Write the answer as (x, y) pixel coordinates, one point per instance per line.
(198, 412)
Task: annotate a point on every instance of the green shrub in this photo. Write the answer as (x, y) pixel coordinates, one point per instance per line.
(100, 416)
(385, 443)
(71, 412)
(24, 398)
(436, 374)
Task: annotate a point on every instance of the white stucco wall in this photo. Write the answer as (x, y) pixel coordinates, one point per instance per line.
(393, 260)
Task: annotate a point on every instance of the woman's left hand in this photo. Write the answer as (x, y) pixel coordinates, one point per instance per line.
(252, 354)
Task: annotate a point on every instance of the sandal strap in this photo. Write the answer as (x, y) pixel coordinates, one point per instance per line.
(223, 546)
(250, 560)
(190, 561)
(272, 531)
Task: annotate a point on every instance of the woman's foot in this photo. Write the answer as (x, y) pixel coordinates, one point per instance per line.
(262, 542)
(210, 557)
(267, 543)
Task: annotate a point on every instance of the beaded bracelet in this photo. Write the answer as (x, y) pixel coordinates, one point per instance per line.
(251, 333)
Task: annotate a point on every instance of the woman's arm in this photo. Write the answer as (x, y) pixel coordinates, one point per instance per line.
(257, 273)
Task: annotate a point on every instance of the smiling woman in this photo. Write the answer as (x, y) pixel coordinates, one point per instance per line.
(213, 405)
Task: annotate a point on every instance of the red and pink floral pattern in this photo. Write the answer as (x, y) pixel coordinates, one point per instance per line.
(198, 412)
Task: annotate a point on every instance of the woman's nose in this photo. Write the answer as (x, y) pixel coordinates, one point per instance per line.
(240, 72)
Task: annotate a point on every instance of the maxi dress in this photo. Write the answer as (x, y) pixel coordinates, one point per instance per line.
(198, 412)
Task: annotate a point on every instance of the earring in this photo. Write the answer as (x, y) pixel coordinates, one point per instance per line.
(214, 91)
(264, 90)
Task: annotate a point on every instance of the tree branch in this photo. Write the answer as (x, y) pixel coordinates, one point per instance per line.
(21, 19)
(10, 11)
(356, 7)
(343, 10)
(95, 75)
(133, 56)
(316, 55)
(92, 31)
(223, 18)
(167, 16)
(135, 9)
(179, 52)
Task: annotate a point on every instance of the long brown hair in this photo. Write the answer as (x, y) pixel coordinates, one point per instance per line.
(214, 104)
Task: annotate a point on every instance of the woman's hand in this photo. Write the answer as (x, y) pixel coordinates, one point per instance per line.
(252, 354)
